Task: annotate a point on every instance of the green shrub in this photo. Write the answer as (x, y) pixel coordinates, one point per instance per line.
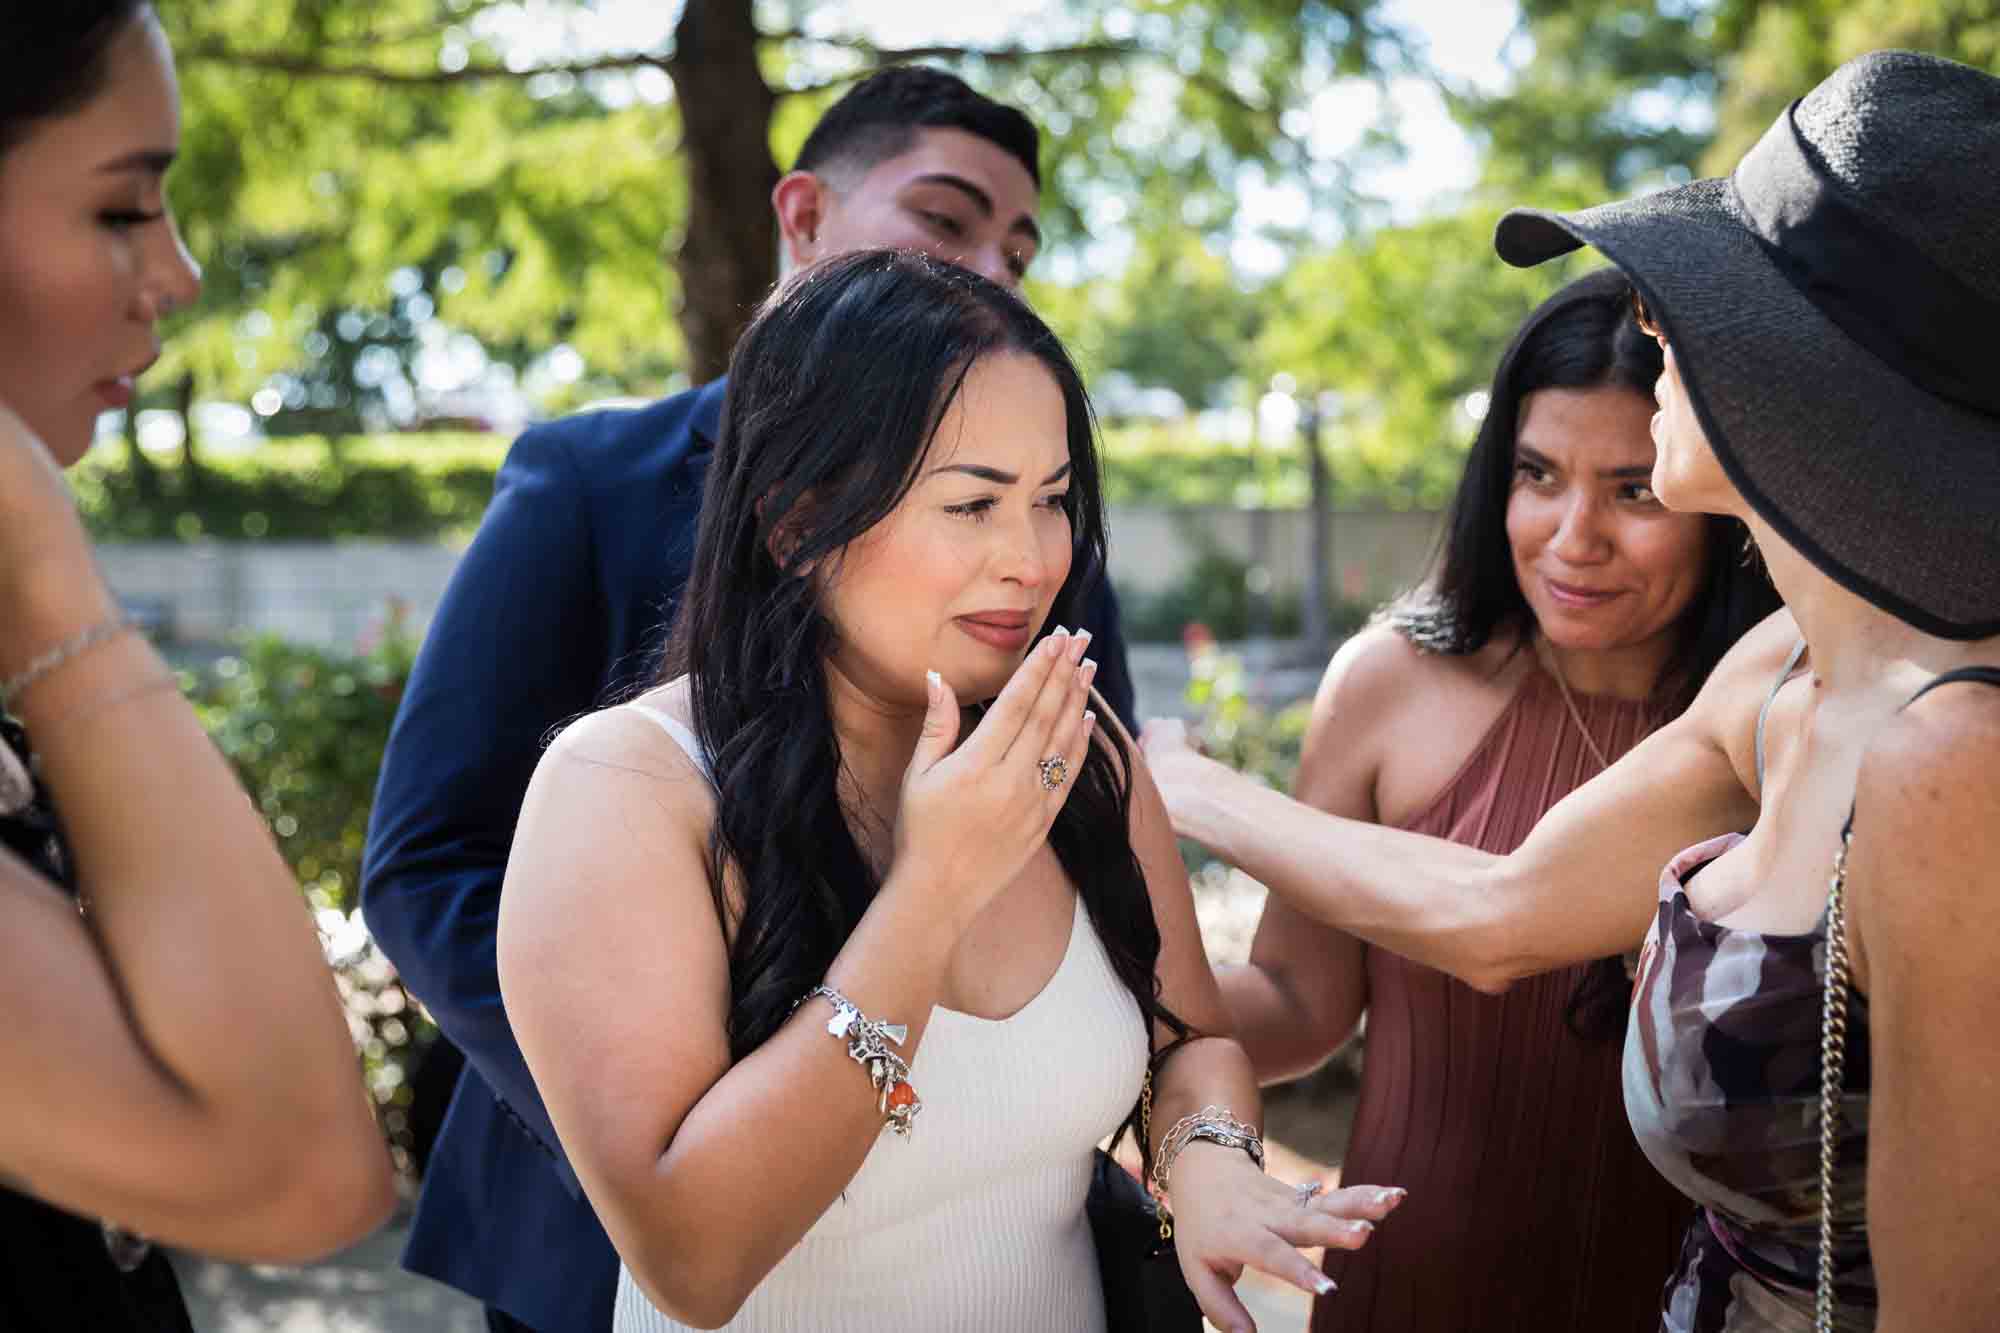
(1215, 594)
(1231, 727)
(305, 730)
(1172, 468)
(422, 486)
(415, 488)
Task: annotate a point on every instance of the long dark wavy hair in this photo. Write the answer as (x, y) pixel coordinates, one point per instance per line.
(834, 394)
(1583, 337)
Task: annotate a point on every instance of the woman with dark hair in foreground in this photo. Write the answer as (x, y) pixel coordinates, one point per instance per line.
(867, 859)
(1570, 614)
(173, 1056)
(1827, 316)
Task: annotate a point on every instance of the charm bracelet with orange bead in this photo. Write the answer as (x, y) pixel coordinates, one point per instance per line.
(868, 1042)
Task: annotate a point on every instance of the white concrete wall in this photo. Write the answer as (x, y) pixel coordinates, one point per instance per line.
(330, 593)
(322, 593)
(1375, 554)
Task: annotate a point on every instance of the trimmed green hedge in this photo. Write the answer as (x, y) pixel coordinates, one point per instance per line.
(436, 486)
(412, 487)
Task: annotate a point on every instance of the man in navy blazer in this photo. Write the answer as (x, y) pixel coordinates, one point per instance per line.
(560, 604)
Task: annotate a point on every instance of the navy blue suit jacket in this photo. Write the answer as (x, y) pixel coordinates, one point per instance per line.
(561, 603)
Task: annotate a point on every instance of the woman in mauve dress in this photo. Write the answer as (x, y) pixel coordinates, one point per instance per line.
(1570, 614)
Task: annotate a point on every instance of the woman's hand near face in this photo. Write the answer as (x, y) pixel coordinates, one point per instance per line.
(49, 585)
(972, 816)
(1229, 1215)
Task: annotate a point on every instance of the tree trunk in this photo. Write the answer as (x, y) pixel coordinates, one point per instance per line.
(727, 258)
(145, 476)
(191, 474)
(1319, 566)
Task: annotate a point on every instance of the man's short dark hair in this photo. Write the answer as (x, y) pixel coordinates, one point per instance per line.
(879, 118)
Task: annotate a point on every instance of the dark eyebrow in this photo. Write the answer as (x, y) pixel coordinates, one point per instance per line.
(154, 161)
(995, 475)
(982, 201)
(1637, 472)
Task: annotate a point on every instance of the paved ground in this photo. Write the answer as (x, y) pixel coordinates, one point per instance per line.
(361, 1290)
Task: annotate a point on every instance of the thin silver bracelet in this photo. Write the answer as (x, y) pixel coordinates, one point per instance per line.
(868, 1041)
(63, 653)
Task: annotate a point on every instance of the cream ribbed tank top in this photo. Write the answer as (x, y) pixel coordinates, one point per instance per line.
(974, 1224)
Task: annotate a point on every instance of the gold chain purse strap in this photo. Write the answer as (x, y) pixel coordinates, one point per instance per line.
(1832, 1069)
(1145, 1142)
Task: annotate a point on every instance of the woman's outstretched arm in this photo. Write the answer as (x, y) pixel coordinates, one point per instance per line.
(1581, 886)
(175, 1057)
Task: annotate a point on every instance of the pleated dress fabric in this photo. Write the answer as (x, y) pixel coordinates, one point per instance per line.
(1531, 1206)
(975, 1223)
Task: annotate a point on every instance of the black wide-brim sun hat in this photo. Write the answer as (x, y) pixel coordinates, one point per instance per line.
(1834, 308)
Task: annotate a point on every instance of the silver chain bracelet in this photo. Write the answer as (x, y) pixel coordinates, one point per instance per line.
(1214, 1123)
(73, 647)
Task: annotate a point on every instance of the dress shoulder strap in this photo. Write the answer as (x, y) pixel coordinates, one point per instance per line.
(1791, 665)
(1985, 675)
(682, 734)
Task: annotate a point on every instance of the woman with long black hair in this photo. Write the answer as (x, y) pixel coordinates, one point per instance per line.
(1569, 615)
(173, 1058)
(868, 859)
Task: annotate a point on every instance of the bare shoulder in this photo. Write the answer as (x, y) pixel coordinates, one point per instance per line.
(1926, 861)
(629, 738)
(1761, 653)
(1931, 766)
(1724, 714)
(1379, 679)
(620, 764)
(613, 833)
(1381, 666)
(1393, 722)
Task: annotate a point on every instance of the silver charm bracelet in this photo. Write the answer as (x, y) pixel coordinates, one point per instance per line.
(868, 1042)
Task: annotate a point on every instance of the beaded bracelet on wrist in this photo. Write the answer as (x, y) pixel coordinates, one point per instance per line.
(868, 1042)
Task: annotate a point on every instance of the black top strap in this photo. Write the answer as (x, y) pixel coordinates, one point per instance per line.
(1985, 675)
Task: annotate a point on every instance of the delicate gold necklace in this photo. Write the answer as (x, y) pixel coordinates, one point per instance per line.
(1546, 656)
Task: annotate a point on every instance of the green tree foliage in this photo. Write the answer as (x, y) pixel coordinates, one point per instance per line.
(1178, 317)
(1775, 52)
(370, 154)
(1611, 95)
(1403, 325)
(528, 214)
